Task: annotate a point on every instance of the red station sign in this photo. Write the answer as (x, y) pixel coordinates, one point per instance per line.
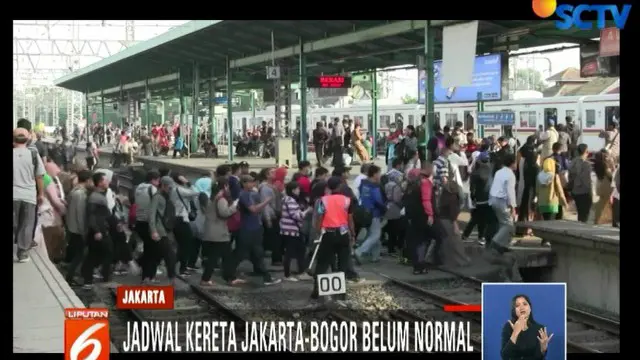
(329, 81)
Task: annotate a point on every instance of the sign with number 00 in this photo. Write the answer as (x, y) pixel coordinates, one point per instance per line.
(331, 284)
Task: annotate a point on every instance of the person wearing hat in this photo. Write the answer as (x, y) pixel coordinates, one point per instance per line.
(28, 191)
(574, 134)
(335, 222)
(548, 138)
(162, 219)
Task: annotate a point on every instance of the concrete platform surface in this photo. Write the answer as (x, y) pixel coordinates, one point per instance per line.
(40, 295)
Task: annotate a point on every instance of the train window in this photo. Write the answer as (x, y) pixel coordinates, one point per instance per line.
(345, 117)
(571, 114)
(528, 119)
(591, 119)
(398, 119)
(412, 120)
(385, 121)
(550, 114)
(358, 120)
(451, 119)
(612, 115)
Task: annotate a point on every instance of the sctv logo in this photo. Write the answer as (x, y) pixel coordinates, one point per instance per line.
(571, 15)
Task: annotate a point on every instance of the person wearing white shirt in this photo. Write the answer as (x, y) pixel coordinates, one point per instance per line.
(615, 198)
(502, 198)
(358, 180)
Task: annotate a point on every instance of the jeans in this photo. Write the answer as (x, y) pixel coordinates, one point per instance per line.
(295, 249)
(184, 238)
(333, 245)
(249, 247)
(479, 216)
(372, 245)
(212, 252)
(505, 222)
(583, 206)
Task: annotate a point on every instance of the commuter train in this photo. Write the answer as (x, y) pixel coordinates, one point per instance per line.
(591, 113)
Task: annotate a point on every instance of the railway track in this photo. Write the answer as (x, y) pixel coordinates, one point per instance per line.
(586, 332)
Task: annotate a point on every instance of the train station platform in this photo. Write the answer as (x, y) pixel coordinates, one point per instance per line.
(40, 295)
(588, 260)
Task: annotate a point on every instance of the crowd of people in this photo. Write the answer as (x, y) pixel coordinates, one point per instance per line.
(236, 215)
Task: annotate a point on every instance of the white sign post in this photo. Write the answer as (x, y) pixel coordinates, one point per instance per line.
(273, 72)
(332, 284)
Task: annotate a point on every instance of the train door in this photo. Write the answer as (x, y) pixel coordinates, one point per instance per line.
(468, 121)
(550, 114)
(450, 119)
(612, 116)
(244, 126)
(323, 120)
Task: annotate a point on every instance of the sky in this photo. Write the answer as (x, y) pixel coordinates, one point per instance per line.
(104, 37)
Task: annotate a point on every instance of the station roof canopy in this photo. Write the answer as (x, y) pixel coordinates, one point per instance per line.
(331, 47)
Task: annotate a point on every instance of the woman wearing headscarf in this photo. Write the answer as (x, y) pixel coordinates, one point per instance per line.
(293, 213)
(527, 160)
(358, 143)
(216, 241)
(550, 192)
(603, 167)
(50, 212)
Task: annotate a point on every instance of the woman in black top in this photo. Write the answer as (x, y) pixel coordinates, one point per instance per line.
(522, 337)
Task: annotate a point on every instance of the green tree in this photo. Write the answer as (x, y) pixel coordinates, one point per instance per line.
(529, 79)
(407, 99)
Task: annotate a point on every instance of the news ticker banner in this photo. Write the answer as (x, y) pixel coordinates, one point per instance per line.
(87, 331)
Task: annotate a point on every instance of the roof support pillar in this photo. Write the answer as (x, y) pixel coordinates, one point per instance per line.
(147, 106)
(229, 111)
(429, 53)
(103, 121)
(302, 126)
(181, 104)
(195, 101)
(374, 111)
(120, 105)
(212, 108)
(86, 114)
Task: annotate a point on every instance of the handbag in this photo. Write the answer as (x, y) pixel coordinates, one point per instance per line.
(233, 221)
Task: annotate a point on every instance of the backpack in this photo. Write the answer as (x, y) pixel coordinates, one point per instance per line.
(384, 180)
(169, 217)
(34, 161)
(388, 190)
(412, 201)
(361, 217)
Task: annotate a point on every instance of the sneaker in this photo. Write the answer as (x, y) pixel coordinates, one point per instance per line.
(273, 282)
(134, 268)
(158, 272)
(118, 273)
(87, 286)
(97, 276)
(305, 277)
(193, 268)
(185, 274)
(291, 279)
(481, 242)
(23, 257)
